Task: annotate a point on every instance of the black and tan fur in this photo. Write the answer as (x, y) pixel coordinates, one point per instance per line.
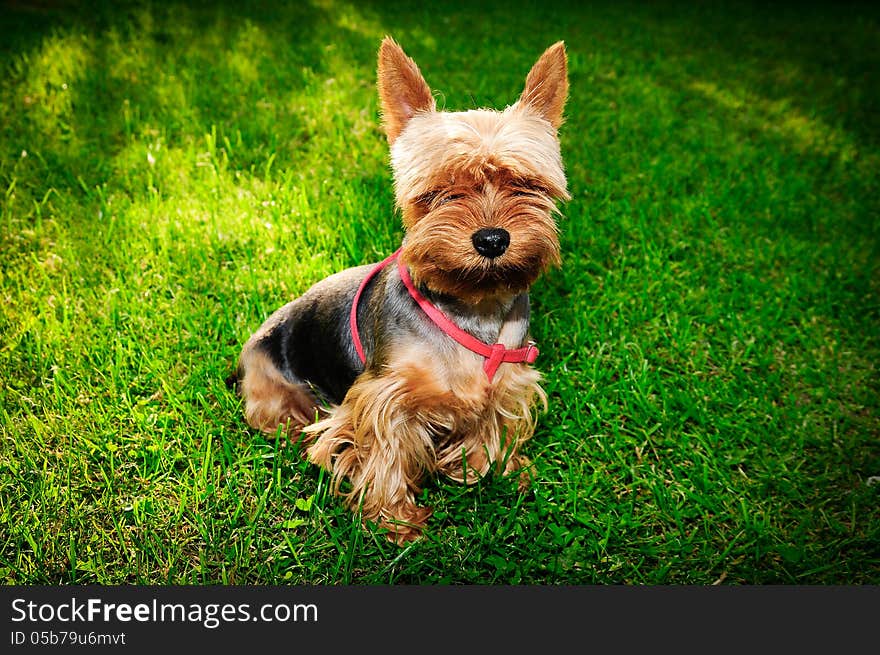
(422, 404)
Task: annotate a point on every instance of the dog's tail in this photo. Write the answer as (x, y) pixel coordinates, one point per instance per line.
(233, 380)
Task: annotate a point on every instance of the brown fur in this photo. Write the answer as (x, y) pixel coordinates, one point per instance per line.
(273, 401)
(422, 404)
(547, 85)
(402, 89)
(425, 415)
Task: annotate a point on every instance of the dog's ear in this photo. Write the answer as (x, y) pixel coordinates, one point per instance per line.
(402, 90)
(547, 85)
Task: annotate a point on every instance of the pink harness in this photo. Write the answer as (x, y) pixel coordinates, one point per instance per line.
(494, 355)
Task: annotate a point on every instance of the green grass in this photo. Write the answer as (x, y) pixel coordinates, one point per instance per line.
(171, 173)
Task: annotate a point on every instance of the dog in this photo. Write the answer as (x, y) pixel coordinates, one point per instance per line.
(421, 365)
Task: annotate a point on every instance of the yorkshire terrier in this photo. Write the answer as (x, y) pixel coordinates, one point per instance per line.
(421, 365)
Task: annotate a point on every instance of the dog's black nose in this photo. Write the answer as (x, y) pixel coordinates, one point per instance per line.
(491, 242)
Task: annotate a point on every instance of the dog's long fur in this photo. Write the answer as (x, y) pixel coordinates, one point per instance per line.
(422, 404)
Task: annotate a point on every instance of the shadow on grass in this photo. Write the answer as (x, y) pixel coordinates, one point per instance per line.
(98, 77)
(720, 157)
(771, 50)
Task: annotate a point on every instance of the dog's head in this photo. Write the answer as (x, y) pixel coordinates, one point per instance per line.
(477, 189)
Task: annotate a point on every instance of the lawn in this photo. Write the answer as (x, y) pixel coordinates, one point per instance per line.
(170, 173)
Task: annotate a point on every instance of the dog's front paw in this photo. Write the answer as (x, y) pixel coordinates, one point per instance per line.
(523, 467)
(405, 523)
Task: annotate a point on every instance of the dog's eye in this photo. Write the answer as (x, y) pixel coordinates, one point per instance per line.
(437, 198)
(450, 197)
(529, 189)
(427, 198)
